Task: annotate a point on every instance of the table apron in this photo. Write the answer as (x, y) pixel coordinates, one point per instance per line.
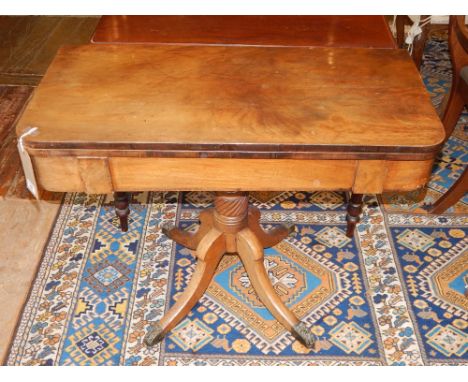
(96, 175)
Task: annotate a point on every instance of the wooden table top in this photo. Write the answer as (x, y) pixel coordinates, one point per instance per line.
(198, 101)
(329, 31)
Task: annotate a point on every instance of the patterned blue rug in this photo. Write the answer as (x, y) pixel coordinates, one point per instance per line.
(393, 295)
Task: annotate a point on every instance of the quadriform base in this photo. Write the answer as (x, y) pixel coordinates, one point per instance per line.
(191, 240)
(230, 227)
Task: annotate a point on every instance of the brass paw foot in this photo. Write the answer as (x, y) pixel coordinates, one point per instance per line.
(167, 228)
(291, 228)
(154, 335)
(304, 335)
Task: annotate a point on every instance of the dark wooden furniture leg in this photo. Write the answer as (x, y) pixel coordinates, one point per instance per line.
(420, 42)
(400, 22)
(121, 202)
(354, 213)
(232, 227)
(453, 195)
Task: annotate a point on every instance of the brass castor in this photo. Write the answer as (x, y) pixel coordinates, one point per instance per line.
(304, 335)
(300, 332)
(155, 334)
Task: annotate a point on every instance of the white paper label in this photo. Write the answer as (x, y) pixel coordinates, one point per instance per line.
(28, 168)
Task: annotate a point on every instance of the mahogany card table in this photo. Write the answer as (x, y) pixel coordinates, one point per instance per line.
(122, 118)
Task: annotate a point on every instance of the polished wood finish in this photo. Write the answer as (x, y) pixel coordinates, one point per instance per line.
(232, 227)
(277, 113)
(270, 237)
(63, 174)
(333, 31)
(191, 239)
(354, 213)
(231, 119)
(95, 175)
(273, 101)
(250, 251)
(121, 202)
(456, 100)
(209, 253)
(285, 31)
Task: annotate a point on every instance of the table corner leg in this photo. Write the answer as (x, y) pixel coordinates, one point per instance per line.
(354, 213)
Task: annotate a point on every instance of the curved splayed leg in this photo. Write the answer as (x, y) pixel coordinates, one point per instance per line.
(251, 253)
(191, 239)
(271, 237)
(209, 252)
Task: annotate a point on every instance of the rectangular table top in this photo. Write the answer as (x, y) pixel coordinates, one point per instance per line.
(330, 31)
(198, 101)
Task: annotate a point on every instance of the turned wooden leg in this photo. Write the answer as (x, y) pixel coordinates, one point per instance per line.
(354, 213)
(250, 250)
(191, 239)
(453, 195)
(209, 253)
(267, 238)
(121, 201)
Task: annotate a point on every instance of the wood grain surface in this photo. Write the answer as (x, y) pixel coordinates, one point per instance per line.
(105, 175)
(236, 100)
(333, 31)
(29, 43)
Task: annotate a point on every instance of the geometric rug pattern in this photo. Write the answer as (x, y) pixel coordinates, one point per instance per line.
(395, 294)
